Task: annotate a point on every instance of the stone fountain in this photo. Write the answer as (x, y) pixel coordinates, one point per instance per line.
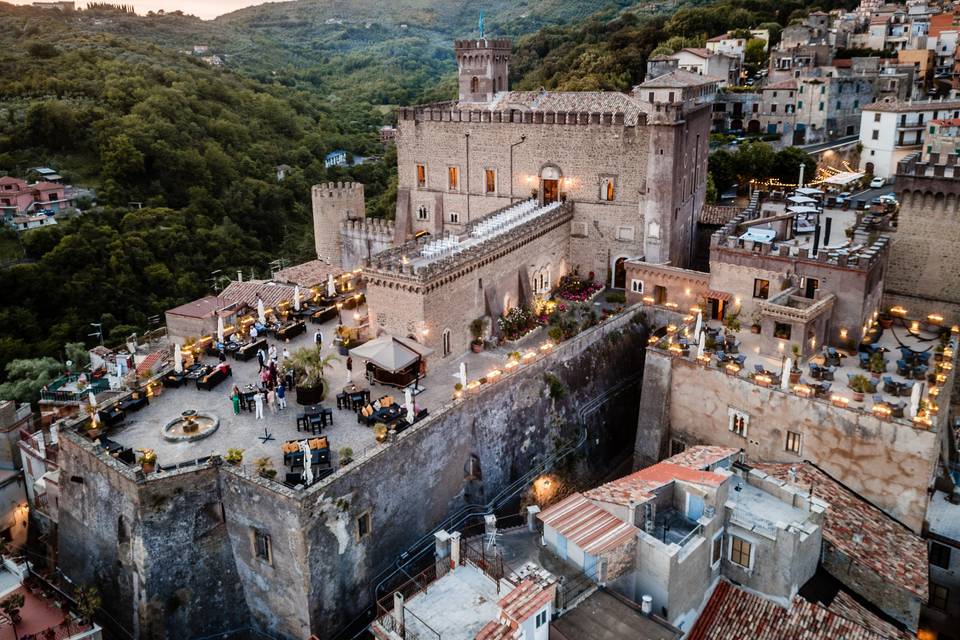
(191, 425)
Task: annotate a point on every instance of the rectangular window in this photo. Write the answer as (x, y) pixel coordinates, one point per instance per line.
(261, 545)
(716, 553)
(876, 117)
(939, 595)
(773, 108)
(738, 422)
(821, 106)
(677, 447)
(933, 129)
(939, 555)
(800, 105)
(421, 176)
(740, 551)
(541, 619)
(793, 442)
(454, 217)
(490, 180)
(608, 188)
(782, 330)
(363, 526)
(761, 288)
(453, 178)
(636, 286)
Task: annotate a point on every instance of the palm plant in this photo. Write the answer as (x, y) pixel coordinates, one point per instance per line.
(309, 365)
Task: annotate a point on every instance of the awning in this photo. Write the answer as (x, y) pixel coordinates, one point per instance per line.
(391, 353)
(719, 295)
(809, 191)
(803, 210)
(801, 200)
(765, 236)
(843, 178)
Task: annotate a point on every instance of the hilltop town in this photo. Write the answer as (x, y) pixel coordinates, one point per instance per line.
(675, 361)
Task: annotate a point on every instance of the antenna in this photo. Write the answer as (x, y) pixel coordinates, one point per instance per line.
(480, 23)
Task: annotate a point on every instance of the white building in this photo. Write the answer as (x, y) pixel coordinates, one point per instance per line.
(891, 130)
(943, 536)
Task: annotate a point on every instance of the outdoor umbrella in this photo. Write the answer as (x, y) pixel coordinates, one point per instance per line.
(785, 374)
(915, 399)
(177, 359)
(307, 463)
(803, 209)
(95, 417)
(261, 312)
(463, 374)
(296, 298)
(699, 325)
(331, 287)
(801, 199)
(702, 345)
(220, 330)
(408, 400)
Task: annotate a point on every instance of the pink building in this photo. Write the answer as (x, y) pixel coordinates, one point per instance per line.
(17, 197)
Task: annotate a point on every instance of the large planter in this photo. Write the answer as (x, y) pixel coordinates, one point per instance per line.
(858, 396)
(310, 395)
(754, 328)
(795, 377)
(476, 347)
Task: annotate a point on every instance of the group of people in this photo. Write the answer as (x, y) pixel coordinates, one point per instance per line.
(276, 380)
(273, 398)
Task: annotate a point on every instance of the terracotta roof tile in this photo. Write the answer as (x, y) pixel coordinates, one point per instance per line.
(247, 292)
(525, 599)
(733, 614)
(861, 531)
(586, 525)
(718, 214)
(496, 631)
(843, 604)
(702, 456)
(639, 486)
(678, 79)
(308, 274)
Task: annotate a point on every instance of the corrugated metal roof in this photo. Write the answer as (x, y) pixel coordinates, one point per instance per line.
(586, 525)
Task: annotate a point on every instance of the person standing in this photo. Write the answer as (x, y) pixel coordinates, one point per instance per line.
(261, 360)
(349, 369)
(258, 400)
(273, 353)
(318, 338)
(254, 333)
(286, 354)
(281, 397)
(272, 401)
(235, 398)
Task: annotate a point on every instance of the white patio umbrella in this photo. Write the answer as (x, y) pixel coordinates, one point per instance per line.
(95, 417)
(915, 399)
(307, 463)
(177, 358)
(702, 344)
(296, 298)
(261, 312)
(220, 330)
(785, 374)
(408, 401)
(463, 374)
(801, 200)
(331, 286)
(699, 325)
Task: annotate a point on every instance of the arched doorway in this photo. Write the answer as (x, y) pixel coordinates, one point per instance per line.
(869, 168)
(753, 126)
(550, 177)
(619, 273)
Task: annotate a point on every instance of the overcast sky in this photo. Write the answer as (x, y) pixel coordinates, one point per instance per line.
(202, 8)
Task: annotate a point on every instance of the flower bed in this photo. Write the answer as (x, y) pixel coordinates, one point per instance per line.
(576, 289)
(518, 322)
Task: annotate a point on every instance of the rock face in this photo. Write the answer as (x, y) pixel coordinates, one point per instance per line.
(210, 548)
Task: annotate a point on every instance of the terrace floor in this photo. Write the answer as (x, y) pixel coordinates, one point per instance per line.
(143, 428)
(457, 606)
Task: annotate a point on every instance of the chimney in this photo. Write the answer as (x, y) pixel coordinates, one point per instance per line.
(646, 605)
(455, 549)
(398, 609)
(239, 276)
(632, 513)
(490, 525)
(532, 512)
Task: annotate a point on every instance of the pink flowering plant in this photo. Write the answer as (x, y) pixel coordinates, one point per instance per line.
(518, 322)
(574, 288)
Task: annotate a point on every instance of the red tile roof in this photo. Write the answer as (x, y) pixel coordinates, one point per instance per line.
(639, 486)
(247, 292)
(525, 599)
(718, 214)
(495, 630)
(150, 362)
(843, 604)
(203, 308)
(701, 457)
(733, 614)
(308, 274)
(861, 531)
(586, 525)
(947, 122)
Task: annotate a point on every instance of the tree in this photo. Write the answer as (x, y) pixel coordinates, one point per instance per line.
(786, 165)
(77, 354)
(310, 366)
(88, 602)
(25, 378)
(722, 167)
(755, 55)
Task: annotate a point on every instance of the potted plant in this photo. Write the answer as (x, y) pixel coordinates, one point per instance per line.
(11, 606)
(732, 322)
(885, 320)
(308, 366)
(755, 321)
(476, 330)
(859, 385)
(795, 367)
(877, 364)
(380, 432)
(234, 456)
(148, 460)
(265, 468)
(345, 456)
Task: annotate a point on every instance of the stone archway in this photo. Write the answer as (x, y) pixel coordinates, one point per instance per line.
(550, 179)
(618, 273)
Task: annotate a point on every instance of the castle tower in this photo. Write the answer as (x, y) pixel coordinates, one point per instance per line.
(483, 66)
(333, 204)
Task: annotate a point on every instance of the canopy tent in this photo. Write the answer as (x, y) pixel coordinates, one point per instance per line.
(843, 178)
(809, 191)
(765, 236)
(801, 200)
(803, 210)
(392, 360)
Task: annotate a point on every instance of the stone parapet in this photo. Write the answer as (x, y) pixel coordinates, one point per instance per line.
(448, 112)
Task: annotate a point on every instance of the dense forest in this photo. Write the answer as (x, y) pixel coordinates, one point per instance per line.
(182, 155)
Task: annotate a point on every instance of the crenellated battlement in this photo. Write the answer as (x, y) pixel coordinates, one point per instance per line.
(443, 113)
(376, 229)
(483, 44)
(338, 190)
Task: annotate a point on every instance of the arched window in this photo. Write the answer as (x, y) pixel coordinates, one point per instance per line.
(446, 342)
(475, 85)
(422, 212)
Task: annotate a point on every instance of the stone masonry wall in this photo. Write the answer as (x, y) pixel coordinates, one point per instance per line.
(889, 463)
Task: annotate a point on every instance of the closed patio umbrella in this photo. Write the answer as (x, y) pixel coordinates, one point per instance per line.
(701, 345)
(220, 330)
(296, 298)
(785, 374)
(331, 287)
(699, 325)
(915, 398)
(408, 401)
(95, 417)
(463, 374)
(307, 463)
(177, 358)
(261, 312)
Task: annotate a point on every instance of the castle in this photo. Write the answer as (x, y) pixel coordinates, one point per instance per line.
(627, 171)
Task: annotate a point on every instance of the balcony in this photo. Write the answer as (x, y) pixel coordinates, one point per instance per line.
(68, 389)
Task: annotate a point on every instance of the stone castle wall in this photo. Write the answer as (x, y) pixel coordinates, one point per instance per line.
(181, 572)
(334, 203)
(362, 239)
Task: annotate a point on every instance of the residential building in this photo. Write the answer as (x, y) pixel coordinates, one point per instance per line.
(19, 198)
(737, 111)
(923, 65)
(829, 106)
(698, 60)
(941, 139)
(890, 130)
(942, 532)
(26, 223)
(778, 109)
(337, 158)
(388, 134)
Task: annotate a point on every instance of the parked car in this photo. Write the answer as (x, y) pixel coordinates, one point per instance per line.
(877, 182)
(842, 197)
